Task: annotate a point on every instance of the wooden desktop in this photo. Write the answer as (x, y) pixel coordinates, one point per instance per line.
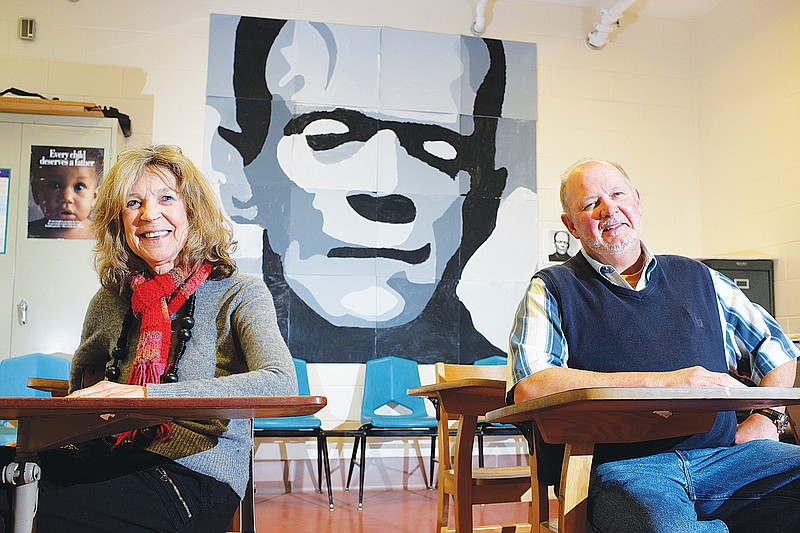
(46, 423)
(581, 418)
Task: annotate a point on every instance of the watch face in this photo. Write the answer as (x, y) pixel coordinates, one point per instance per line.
(782, 423)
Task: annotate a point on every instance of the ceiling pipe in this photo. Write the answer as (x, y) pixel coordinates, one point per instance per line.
(479, 26)
(610, 18)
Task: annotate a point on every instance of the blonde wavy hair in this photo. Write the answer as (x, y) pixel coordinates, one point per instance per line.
(210, 237)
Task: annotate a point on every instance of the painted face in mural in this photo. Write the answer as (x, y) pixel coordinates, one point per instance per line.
(381, 242)
(363, 183)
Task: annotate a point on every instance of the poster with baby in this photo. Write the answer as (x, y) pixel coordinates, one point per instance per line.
(64, 181)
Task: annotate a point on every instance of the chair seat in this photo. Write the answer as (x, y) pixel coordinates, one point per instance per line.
(549, 526)
(400, 421)
(289, 422)
(502, 528)
(504, 474)
(494, 428)
(491, 487)
(497, 425)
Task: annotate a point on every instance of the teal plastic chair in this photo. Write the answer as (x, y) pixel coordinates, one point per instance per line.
(492, 360)
(299, 427)
(487, 428)
(386, 382)
(14, 374)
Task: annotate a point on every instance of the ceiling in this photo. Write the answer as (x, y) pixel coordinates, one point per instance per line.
(672, 9)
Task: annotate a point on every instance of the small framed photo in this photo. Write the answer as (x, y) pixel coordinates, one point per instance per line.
(557, 245)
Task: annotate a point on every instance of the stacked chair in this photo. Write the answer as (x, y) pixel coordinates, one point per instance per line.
(385, 384)
(14, 374)
(300, 427)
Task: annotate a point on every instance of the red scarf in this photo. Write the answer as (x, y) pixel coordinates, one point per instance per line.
(155, 300)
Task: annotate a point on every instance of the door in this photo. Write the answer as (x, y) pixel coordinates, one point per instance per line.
(10, 138)
(53, 277)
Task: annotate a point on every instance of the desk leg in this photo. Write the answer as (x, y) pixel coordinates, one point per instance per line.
(575, 473)
(462, 471)
(24, 475)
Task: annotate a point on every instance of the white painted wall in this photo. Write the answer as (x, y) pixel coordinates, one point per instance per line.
(748, 108)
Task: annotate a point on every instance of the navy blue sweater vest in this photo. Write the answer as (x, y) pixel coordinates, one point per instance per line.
(672, 323)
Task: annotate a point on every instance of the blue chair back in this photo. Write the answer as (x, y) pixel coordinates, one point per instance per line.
(386, 381)
(15, 371)
(292, 422)
(492, 361)
(302, 377)
(14, 374)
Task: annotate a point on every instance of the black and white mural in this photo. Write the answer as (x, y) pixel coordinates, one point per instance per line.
(382, 181)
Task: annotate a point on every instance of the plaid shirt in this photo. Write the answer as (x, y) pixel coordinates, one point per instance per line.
(537, 340)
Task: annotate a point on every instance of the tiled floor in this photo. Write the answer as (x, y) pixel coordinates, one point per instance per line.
(385, 511)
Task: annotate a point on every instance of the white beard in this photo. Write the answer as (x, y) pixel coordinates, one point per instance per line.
(605, 248)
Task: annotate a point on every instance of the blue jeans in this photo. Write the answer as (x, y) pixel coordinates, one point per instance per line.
(750, 487)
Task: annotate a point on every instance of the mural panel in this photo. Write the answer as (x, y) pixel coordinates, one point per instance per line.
(382, 181)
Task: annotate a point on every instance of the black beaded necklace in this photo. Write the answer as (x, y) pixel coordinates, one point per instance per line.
(186, 324)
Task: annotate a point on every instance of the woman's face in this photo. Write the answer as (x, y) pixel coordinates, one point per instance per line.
(155, 220)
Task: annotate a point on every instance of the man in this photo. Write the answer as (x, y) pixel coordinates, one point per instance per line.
(616, 315)
(373, 176)
(561, 243)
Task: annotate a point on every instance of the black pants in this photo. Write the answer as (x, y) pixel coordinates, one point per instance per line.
(90, 489)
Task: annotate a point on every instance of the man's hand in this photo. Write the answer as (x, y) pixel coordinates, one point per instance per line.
(109, 389)
(755, 427)
(697, 376)
(557, 379)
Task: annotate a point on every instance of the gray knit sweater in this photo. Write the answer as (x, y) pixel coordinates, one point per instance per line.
(236, 349)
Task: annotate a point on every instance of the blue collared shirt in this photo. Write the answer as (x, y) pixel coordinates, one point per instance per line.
(538, 342)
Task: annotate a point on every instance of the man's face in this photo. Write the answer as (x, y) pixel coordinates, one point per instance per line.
(561, 240)
(604, 211)
(68, 193)
(374, 194)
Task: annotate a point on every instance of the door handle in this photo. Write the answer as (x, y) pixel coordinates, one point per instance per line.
(23, 312)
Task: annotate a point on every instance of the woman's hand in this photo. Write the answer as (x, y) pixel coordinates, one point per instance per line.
(109, 389)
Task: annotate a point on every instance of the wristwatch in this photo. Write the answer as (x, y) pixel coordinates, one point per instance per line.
(781, 420)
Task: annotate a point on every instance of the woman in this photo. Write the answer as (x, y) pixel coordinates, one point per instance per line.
(173, 319)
